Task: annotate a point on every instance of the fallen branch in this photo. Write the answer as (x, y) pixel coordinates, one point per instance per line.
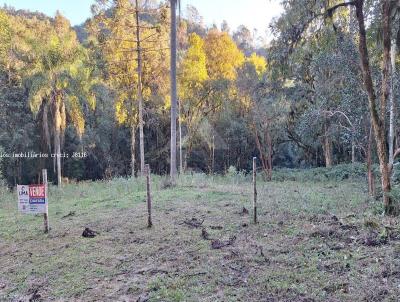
(260, 248)
(152, 271)
(194, 222)
(217, 244)
(70, 214)
(205, 235)
(195, 274)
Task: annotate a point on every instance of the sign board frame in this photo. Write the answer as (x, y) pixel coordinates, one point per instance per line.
(32, 199)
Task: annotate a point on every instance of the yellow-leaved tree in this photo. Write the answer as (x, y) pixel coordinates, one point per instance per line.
(133, 51)
(192, 77)
(259, 63)
(207, 75)
(223, 55)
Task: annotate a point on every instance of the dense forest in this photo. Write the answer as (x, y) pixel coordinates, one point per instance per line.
(99, 93)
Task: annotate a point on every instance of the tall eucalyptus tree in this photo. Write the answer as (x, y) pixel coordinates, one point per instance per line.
(174, 104)
(395, 20)
(139, 84)
(378, 111)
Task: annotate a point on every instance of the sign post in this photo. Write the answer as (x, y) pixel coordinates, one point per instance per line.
(254, 190)
(46, 214)
(32, 199)
(149, 221)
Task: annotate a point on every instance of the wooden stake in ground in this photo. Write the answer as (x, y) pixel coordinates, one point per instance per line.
(149, 222)
(46, 215)
(254, 190)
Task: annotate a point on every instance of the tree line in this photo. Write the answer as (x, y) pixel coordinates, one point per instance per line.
(323, 91)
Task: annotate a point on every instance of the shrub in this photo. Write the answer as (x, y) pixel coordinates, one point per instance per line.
(340, 172)
(234, 176)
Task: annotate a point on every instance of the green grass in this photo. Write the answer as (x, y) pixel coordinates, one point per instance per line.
(309, 243)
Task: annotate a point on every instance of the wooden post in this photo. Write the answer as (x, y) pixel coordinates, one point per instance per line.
(254, 190)
(46, 215)
(149, 222)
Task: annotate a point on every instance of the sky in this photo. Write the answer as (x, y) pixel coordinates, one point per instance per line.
(251, 13)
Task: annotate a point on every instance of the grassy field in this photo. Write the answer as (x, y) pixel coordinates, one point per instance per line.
(315, 241)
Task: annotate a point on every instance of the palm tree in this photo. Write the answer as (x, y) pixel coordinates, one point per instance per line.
(59, 83)
(173, 90)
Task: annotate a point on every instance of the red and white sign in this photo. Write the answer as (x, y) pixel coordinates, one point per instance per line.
(32, 199)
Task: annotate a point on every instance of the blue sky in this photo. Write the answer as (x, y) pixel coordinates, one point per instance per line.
(251, 13)
(77, 11)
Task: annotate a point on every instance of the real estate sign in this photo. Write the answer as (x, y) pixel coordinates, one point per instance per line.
(32, 199)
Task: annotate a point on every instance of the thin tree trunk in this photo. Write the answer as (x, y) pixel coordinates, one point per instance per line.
(352, 20)
(353, 146)
(254, 190)
(353, 151)
(371, 176)
(45, 121)
(180, 139)
(148, 189)
(392, 134)
(378, 122)
(8, 73)
(188, 150)
(213, 155)
(210, 171)
(58, 154)
(57, 140)
(63, 123)
(173, 91)
(327, 148)
(352, 27)
(269, 157)
(260, 151)
(139, 88)
(185, 160)
(133, 141)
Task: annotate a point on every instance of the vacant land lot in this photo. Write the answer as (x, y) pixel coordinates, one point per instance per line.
(319, 241)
